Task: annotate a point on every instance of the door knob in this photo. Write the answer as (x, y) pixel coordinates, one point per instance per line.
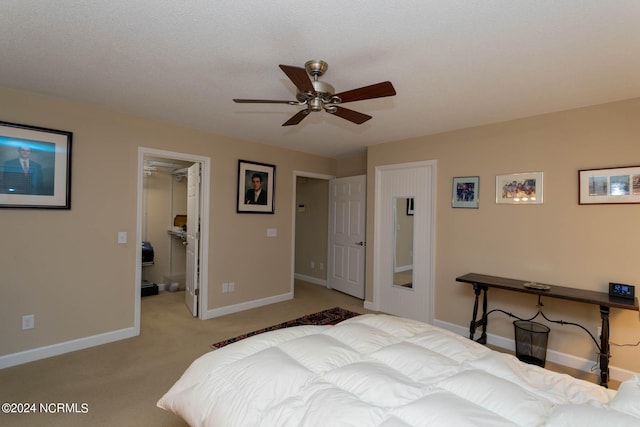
(361, 244)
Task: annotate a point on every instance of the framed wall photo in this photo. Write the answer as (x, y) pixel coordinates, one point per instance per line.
(256, 187)
(35, 167)
(609, 186)
(520, 188)
(465, 192)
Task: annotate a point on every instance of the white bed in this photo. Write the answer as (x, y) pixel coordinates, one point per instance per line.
(380, 370)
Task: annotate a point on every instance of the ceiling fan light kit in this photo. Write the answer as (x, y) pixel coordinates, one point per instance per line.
(317, 95)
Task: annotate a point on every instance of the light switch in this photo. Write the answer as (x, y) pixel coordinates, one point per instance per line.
(272, 232)
(122, 237)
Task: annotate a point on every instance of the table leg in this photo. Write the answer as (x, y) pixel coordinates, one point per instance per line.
(474, 323)
(605, 353)
(483, 320)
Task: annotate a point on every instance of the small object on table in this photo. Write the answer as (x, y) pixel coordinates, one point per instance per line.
(537, 286)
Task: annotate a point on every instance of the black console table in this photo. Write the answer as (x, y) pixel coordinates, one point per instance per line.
(481, 283)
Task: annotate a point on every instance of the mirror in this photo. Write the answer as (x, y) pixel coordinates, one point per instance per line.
(403, 242)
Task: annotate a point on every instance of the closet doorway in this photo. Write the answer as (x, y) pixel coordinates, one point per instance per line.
(173, 216)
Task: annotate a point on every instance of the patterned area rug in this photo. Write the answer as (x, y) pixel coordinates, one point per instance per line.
(325, 317)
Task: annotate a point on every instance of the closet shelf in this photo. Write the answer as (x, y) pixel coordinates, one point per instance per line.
(180, 235)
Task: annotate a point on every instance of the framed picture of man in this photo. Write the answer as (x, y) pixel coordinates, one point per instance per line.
(35, 167)
(256, 187)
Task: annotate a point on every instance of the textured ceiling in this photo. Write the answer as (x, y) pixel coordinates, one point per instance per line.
(454, 63)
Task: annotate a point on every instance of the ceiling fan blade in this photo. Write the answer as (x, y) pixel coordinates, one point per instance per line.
(299, 77)
(297, 118)
(352, 116)
(264, 101)
(378, 90)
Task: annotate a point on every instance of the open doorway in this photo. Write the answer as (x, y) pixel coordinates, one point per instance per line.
(164, 218)
(163, 211)
(310, 228)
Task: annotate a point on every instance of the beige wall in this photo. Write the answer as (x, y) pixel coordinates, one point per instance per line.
(558, 242)
(66, 267)
(311, 227)
(351, 166)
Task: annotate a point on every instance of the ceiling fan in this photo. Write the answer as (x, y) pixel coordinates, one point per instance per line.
(317, 95)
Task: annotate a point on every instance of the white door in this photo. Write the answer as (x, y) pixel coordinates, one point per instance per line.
(347, 215)
(393, 183)
(193, 233)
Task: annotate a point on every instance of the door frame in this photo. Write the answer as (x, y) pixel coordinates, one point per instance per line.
(205, 163)
(303, 174)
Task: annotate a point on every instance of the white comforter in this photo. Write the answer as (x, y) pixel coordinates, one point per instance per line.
(379, 370)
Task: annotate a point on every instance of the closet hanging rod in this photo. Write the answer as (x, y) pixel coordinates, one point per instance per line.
(183, 171)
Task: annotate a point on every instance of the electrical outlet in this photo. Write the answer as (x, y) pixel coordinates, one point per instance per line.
(312, 264)
(28, 322)
(321, 266)
(232, 287)
(225, 288)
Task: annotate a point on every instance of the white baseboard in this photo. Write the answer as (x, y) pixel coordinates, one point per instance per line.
(370, 305)
(310, 279)
(92, 341)
(230, 309)
(563, 359)
(65, 347)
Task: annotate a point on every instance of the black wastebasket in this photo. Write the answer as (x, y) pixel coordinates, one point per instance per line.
(531, 342)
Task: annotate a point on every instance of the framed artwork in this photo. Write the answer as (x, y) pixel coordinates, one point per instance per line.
(256, 187)
(465, 192)
(519, 188)
(35, 167)
(410, 209)
(609, 186)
